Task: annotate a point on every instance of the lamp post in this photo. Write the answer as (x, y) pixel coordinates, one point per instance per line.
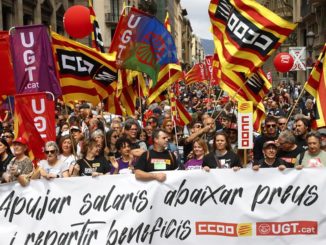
(310, 36)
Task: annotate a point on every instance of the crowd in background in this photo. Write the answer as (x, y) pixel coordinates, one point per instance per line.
(92, 142)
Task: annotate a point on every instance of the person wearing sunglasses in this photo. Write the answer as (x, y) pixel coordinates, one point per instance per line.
(111, 139)
(53, 166)
(282, 124)
(269, 134)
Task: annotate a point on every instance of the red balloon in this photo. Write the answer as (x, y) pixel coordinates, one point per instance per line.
(283, 62)
(77, 21)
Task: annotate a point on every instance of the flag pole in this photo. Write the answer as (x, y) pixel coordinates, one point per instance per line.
(236, 93)
(296, 102)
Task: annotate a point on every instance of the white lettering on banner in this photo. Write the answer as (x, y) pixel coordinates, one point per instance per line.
(80, 65)
(243, 32)
(119, 209)
(126, 35)
(39, 121)
(29, 59)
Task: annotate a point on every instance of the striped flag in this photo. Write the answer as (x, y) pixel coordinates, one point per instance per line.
(167, 22)
(246, 33)
(316, 86)
(84, 73)
(259, 116)
(197, 73)
(97, 40)
(168, 75)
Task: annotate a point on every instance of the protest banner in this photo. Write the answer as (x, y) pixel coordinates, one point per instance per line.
(190, 207)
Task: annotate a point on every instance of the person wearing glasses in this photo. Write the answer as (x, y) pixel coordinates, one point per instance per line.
(281, 124)
(5, 156)
(91, 164)
(53, 166)
(269, 133)
(288, 150)
(20, 164)
(314, 157)
(131, 130)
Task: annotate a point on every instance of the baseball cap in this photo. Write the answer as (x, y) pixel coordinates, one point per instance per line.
(268, 143)
(20, 140)
(322, 131)
(75, 128)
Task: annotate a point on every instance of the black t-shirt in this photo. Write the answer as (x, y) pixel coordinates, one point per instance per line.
(290, 157)
(156, 161)
(277, 162)
(99, 164)
(4, 164)
(228, 160)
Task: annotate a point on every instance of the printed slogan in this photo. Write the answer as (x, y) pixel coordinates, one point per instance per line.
(190, 207)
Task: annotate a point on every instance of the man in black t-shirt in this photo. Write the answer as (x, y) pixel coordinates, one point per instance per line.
(158, 159)
(288, 149)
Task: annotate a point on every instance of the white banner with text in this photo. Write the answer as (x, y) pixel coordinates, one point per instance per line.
(190, 207)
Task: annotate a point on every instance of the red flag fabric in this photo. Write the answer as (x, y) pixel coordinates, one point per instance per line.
(196, 74)
(7, 82)
(34, 121)
(316, 86)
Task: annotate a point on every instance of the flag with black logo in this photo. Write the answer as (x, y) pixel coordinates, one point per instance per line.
(97, 40)
(85, 74)
(246, 33)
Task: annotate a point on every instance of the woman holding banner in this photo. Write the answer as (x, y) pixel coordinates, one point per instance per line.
(5, 156)
(222, 156)
(199, 149)
(53, 166)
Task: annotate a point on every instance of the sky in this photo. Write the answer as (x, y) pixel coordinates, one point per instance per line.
(198, 16)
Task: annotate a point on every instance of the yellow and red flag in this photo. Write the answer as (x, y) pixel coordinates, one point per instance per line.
(246, 33)
(197, 73)
(316, 86)
(97, 40)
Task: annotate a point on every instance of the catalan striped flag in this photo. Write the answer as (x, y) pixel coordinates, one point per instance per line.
(168, 75)
(167, 23)
(246, 33)
(84, 73)
(97, 40)
(259, 116)
(316, 86)
(197, 73)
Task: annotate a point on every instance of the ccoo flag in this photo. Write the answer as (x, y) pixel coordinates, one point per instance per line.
(142, 43)
(246, 33)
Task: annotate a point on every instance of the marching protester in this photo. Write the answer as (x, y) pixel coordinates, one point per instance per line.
(199, 149)
(91, 164)
(125, 163)
(222, 156)
(53, 166)
(157, 159)
(270, 159)
(314, 157)
(5, 156)
(288, 149)
(301, 129)
(67, 154)
(20, 164)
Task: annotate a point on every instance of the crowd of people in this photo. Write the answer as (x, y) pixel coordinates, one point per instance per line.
(91, 142)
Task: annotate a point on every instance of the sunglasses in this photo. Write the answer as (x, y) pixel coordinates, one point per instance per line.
(115, 136)
(7, 136)
(198, 126)
(270, 125)
(51, 151)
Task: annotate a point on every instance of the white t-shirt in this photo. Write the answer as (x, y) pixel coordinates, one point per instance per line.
(56, 169)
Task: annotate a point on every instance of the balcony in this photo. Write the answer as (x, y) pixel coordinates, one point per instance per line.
(112, 18)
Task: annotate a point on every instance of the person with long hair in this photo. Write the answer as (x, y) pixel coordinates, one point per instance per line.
(91, 164)
(111, 139)
(20, 164)
(53, 166)
(199, 149)
(5, 156)
(222, 156)
(67, 153)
